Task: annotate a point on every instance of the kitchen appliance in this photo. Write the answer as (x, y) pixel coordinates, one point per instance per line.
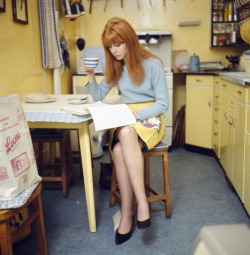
(159, 42)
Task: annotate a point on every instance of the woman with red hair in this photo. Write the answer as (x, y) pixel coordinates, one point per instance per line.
(139, 75)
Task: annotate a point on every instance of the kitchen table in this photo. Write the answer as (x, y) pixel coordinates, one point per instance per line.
(51, 115)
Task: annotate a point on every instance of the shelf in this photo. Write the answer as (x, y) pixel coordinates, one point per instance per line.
(225, 28)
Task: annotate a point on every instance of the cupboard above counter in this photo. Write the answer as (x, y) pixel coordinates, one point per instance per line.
(225, 24)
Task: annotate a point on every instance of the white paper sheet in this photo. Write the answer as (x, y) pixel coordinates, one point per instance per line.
(116, 220)
(107, 116)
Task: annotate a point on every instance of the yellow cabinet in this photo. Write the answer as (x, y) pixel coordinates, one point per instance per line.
(239, 141)
(232, 133)
(226, 136)
(216, 117)
(247, 161)
(199, 110)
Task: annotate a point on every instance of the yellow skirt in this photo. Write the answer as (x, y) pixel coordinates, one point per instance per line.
(149, 136)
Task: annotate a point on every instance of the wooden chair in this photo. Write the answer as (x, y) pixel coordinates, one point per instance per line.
(53, 136)
(7, 238)
(160, 150)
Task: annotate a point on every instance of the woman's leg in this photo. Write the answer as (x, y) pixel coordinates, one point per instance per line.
(126, 190)
(131, 166)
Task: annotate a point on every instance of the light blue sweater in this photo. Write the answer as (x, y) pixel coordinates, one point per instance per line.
(153, 88)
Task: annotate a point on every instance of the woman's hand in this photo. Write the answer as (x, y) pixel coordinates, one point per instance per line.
(89, 72)
(136, 115)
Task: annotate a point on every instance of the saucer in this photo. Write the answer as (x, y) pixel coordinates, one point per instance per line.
(77, 100)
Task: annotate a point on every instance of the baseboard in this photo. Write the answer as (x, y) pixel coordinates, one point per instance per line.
(200, 150)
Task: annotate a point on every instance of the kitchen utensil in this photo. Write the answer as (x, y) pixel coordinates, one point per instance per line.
(105, 5)
(121, 3)
(78, 100)
(80, 43)
(90, 6)
(138, 4)
(84, 98)
(194, 64)
(245, 31)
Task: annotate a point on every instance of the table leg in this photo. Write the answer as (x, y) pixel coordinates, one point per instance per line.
(84, 143)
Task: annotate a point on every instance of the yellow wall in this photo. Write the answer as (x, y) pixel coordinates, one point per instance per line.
(20, 46)
(20, 54)
(195, 39)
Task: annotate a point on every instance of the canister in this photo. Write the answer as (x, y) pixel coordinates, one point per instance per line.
(194, 64)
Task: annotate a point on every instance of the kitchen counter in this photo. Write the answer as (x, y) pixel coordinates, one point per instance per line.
(240, 78)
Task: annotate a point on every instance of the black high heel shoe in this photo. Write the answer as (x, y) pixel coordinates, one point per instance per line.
(144, 224)
(121, 238)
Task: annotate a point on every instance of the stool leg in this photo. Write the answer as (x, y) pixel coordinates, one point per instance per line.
(71, 165)
(166, 184)
(40, 158)
(52, 147)
(113, 186)
(147, 175)
(40, 230)
(63, 169)
(5, 239)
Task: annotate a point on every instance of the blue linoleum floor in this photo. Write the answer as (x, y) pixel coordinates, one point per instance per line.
(200, 196)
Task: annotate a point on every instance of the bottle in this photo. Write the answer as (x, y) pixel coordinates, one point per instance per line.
(226, 12)
(230, 11)
(235, 13)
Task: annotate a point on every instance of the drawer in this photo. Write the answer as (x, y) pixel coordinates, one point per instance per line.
(238, 92)
(217, 81)
(200, 80)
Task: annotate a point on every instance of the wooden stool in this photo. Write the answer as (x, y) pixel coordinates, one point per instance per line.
(62, 136)
(160, 150)
(36, 215)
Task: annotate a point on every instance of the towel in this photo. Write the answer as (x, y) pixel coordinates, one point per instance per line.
(51, 50)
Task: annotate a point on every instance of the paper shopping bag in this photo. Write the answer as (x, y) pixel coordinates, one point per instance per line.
(18, 169)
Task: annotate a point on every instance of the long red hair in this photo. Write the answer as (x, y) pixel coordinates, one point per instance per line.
(118, 31)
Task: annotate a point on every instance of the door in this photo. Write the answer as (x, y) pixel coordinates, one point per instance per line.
(199, 116)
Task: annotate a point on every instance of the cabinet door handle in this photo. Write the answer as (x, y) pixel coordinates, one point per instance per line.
(215, 133)
(224, 85)
(216, 121)
(198, 80)
(234, 120)
(239, 92)
(216, 109)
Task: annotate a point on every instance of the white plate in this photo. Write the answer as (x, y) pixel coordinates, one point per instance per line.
(77, 100)
(182, 59)
(38, 101)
